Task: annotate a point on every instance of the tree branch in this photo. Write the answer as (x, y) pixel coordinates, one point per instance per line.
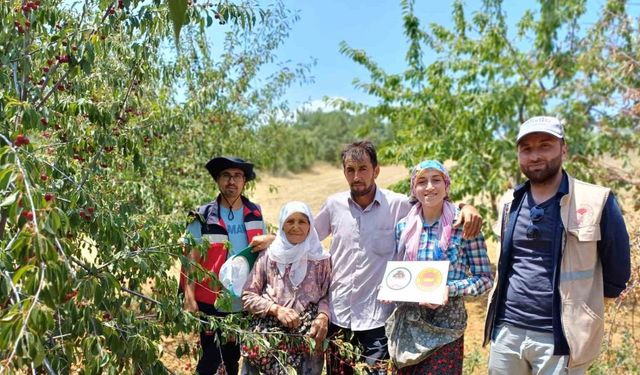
(25, 322)
(3, 222)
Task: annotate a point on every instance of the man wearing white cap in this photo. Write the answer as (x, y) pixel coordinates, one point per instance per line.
(564, 249)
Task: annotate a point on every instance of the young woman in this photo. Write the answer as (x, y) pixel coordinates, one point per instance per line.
(287, 292)
(428, 338)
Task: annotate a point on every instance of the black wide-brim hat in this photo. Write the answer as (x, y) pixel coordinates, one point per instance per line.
(218, 164)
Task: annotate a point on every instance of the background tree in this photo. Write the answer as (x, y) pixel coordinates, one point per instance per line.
(486, 79)
(316, 136)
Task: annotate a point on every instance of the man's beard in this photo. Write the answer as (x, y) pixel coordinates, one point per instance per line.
(361, 193)
(231, 193)
(551, 169)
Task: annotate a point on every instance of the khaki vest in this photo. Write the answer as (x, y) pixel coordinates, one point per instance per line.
(581, 284)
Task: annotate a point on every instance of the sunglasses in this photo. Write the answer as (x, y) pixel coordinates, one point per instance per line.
(535, 215)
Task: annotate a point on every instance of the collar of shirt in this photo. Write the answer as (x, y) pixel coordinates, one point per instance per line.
(426, 225)
(376, 200)
(563, 189)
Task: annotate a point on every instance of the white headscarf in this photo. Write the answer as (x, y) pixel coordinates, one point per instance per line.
(284, 253)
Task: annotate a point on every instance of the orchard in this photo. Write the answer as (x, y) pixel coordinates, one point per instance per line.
(108, 109)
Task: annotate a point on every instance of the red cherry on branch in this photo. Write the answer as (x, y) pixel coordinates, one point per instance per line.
(21, 139)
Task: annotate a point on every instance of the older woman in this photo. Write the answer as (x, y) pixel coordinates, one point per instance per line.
(288, 289)
(428, 338)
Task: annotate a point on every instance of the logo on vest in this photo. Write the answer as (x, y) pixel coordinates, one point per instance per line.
(584, 214)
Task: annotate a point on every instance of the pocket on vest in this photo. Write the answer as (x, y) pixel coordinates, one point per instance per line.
(586, 233)
(584, 330)
(581, 253)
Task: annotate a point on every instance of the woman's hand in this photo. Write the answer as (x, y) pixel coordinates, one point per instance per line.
(434, 306)
(318, 331)
(261, 242)
(470, 220)
(288, 317)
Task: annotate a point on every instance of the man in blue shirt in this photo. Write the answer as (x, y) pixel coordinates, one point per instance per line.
(564, 248)
(228, 224)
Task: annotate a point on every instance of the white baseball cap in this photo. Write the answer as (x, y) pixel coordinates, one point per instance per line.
(541, 124)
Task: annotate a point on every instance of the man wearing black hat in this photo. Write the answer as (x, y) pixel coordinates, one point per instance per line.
(230, 223)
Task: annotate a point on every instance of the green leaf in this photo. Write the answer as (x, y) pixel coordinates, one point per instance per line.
(54, 220)
(11, 317)
(178, 15)
(21, 271)
(11, 199)
(30, 118)
(5, 177)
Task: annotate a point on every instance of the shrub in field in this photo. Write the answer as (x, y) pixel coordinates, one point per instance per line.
(316, 136)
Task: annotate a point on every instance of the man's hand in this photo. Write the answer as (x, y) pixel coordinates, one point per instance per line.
(318, 331)
(261, 242)
(471, 221)
(189, 303)
(288, 317)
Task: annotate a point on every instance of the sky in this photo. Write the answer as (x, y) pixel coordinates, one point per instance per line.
(374, 26)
